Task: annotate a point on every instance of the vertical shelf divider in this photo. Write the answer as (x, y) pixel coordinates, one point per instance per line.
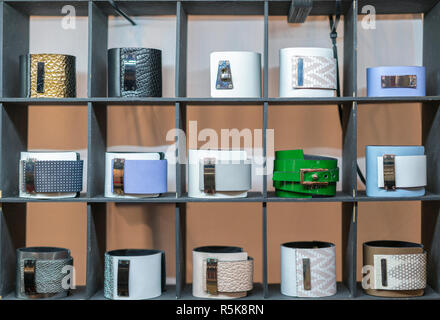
(349, 151)
(431, 138)
(265, 114)
(180, 117)
(96, 144)
(14, 139)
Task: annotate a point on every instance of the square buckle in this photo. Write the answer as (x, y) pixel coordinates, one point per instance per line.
(314, 177)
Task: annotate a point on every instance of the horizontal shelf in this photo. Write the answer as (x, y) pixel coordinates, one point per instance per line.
(362, 197)
(255, 294)
(380, 100)
(342, 293)
(340, 197)
(77, 294)
(214, 101)
(168, 294)
(171, 197)
(430, 294)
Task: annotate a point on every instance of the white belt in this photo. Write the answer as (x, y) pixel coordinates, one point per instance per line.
(134, 274)
(409, 171)
(221, 272)
(218, 174)
(308, 269)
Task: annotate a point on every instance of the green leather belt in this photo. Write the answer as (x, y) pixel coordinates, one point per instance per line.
(296, 175)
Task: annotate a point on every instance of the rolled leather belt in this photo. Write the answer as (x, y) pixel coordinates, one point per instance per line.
(134, 72)
(222, 272)
(134, 274)
(47, 76)
(40, 272)
(307, 72)
(219, 174)
(397, 269)
(134, 175)
(396, 81)
(396, 171)
(50, 175)
(308, 269)
(235, 74)
(296, 175)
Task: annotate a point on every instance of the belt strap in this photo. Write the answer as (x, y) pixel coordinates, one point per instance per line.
(52, 176)
(301, 176)
(139, 176)
(224, 176)
(313, 72)
(399, 268)
(228, 276)
(406, 171)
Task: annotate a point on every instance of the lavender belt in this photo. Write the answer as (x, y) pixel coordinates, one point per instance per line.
(396, 81)
(139, 176)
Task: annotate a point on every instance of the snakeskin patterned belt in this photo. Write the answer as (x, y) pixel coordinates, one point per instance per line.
(42, 272)
(296, 175)
(222, 272)
(47, 76)
(394, 269)
(308, 269)
(134, 72)
(134, 274)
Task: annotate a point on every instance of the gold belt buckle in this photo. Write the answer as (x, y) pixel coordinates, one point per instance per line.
(211, 276)
(314, 177)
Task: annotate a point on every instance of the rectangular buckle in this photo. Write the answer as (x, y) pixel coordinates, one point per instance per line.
(314, 177)
(224, 75)
(209, 175)
(300, 72)
(118, 176)
(406, 81)
(130, 72)
(383, 267)
(30, 288)
(40, 77)
(29, 175)
(211, 276)
(389, 172)
(123, 278)
(306, 274)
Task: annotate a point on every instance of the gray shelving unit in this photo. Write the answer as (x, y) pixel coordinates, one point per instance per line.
(14, 40)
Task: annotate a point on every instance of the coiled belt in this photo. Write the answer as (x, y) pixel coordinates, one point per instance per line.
(41, 272)
(296, 175)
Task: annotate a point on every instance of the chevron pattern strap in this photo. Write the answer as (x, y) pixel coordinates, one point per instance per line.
(313, 72)
(322, 272)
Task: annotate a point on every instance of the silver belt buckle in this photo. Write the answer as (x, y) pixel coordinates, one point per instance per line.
(406, 81)
(209, 175)
(224, 75)
(389, 172)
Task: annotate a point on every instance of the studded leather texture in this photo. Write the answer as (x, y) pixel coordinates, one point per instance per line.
(148, 72)
(59, 76)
